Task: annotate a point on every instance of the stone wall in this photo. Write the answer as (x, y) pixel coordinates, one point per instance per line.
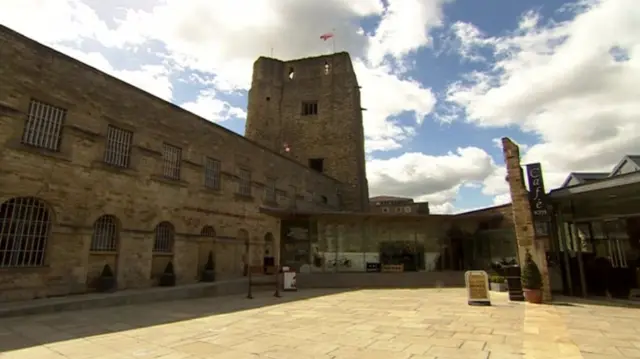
(78, 187)
(522, 217)
(335, 133)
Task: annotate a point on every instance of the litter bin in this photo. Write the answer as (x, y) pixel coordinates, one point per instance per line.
(514, 283)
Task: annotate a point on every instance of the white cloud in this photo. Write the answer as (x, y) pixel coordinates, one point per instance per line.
(224, 37)
(560, 82)
(436, 179)
(213, 109)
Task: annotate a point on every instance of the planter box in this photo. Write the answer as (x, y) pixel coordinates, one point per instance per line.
(498, 287)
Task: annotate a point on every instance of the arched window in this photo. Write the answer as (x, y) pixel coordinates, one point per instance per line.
(25, 223)
(105, 234)
(208, 231)
(164, 238)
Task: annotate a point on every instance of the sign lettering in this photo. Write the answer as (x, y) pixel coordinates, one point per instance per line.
(537, 194)
(477, 287)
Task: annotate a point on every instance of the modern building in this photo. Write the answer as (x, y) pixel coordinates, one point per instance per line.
(94, 171)
(398, 205)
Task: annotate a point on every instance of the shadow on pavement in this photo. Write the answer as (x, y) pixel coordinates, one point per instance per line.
(28, 331)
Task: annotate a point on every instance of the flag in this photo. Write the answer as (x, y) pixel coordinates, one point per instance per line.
(326, 36)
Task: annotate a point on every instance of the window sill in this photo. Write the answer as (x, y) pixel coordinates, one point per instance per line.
(103, 253)
(243, 197)
(113, 168)
(270, 203)
(169, 181)
(23, 270)
(39, 151)
(213, 191)
(162, 254)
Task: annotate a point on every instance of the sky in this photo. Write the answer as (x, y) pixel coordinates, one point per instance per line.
(442, 80)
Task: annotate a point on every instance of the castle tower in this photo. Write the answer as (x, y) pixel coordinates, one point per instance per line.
(312, 107)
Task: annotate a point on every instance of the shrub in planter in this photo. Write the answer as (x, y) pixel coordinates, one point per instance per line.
(168, 278)
(209, 272)
(531, 280)
(497, 283)
(106, 282)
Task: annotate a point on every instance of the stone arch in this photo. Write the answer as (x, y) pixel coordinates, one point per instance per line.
(163, 247)
(103, 248)
(25, 224)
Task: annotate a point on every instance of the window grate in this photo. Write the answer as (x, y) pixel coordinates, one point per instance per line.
(245, 182)
(208, 231)
(172, 157)
(43, 128)
(212, 173)
(309, 108)
(270, 190)
(105, 234)
(164, 238)
(117, 150)
(25, 223)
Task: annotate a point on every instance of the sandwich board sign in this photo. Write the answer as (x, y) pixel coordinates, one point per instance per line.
(477, 282)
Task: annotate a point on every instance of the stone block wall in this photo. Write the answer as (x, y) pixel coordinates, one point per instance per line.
(78, 186)
(522, 217)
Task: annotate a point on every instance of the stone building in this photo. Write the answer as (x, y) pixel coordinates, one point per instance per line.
(398, 205)
(309, 109)
(95, 171)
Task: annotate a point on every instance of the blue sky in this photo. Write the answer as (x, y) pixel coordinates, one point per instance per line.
(442, 79)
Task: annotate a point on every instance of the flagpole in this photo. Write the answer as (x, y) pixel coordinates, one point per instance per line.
(333, 39)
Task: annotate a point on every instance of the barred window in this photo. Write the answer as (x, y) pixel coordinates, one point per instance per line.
(245, 182)
(43, 128)
(117, 149)
(208, 231)
(105, 234)
(309, 108)
(270, 190)
(172, 157)
(212, 173)
(25, 223)
(164, 238)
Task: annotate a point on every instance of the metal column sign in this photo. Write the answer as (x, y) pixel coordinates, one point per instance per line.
(537, 194)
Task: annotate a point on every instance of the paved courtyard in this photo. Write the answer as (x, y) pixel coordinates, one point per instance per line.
(367, 324)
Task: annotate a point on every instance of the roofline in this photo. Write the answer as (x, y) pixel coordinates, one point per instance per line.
(55, 52)
(286, 212)
(605, 183)
(475, 211)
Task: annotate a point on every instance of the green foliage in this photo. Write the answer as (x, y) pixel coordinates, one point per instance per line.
(531, 276)
(209, 265)
(106, 271)
(496, 279)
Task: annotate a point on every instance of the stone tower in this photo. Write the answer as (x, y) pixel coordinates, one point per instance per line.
(312, 108)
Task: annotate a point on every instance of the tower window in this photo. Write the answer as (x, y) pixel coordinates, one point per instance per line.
(309, 108)
(317, 164)
(291, 73)
(327, 67)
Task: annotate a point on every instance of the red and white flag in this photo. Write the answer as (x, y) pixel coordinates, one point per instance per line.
(326, 36)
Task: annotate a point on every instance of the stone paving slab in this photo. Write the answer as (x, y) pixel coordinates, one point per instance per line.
(388, 324)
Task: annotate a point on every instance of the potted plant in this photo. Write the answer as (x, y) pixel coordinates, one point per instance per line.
(531, 280)
(106, 282)
(209, 273)
(498, 283)
(168, 278)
